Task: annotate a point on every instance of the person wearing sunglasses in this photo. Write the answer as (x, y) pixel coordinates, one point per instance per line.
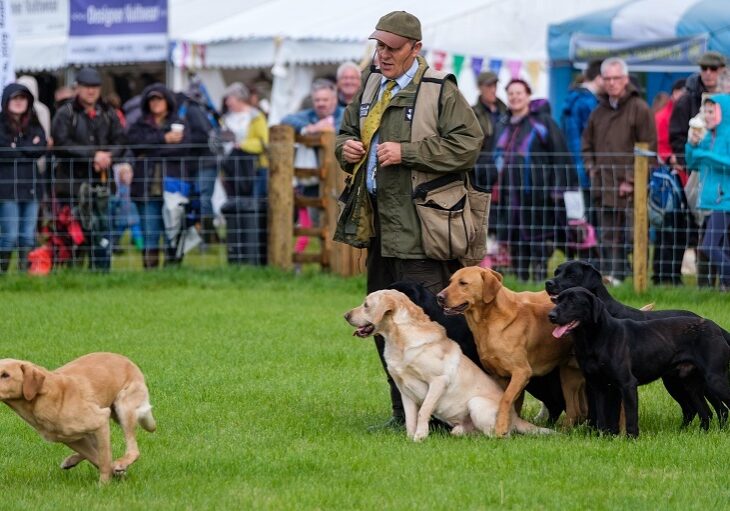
(707, 80)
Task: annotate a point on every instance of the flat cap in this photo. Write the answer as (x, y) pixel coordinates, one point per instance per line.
(487, 78)
(88, 76)
(712, 58)
(396, 28)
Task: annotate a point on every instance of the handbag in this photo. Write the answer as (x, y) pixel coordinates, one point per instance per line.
(692, 193)
(355, 221)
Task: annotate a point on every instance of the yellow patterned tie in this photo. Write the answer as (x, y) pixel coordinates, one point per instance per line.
(372, 121)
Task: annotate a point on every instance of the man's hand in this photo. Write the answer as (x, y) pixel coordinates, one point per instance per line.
(102, 160)
(321, 126)
(353, 151)
(389, 153)
(625, 188)
(125, 173)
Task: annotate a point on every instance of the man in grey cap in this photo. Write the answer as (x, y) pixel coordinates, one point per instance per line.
(88, 138)
(407, 125)
(488, 108)
(711, 64)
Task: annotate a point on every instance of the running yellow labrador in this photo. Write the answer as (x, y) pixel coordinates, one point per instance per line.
(74, 403)
(432, 374)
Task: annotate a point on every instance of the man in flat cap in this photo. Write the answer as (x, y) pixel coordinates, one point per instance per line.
(407, 128)
(488, 108)
(89, 138)
(711, 64)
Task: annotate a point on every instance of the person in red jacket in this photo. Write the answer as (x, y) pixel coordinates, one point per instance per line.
(671, 237)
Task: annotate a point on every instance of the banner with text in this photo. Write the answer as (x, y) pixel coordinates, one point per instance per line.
(654, 55)
(107, 31)
(40, 18)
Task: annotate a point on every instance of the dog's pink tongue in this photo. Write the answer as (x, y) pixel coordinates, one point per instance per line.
(560, 331)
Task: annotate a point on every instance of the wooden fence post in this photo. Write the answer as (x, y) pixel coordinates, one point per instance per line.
(344, 259)
(330, 169)
(281, 196)
(641, 217)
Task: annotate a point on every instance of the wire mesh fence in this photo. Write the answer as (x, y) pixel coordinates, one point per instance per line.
(150, 209)
(539, 212)
(141, 211)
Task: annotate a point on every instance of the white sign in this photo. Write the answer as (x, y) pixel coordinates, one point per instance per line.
(7, 36)
(40, 18)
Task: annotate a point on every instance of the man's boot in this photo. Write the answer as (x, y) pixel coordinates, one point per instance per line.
(4, 261)
(23, 259)
(171, 258)
(210, 235)
(151, 258)
(705, 276)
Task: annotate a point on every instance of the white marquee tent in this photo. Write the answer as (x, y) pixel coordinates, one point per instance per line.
(290, 37)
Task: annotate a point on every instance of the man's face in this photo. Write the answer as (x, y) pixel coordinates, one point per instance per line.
(394, 62)
(709, 75)
(488, 93)
(325, 102)
(349, 82)
(600, 86)
(614, 81)
(88, 94)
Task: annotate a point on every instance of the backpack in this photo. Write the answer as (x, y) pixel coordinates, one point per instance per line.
(665, 195)
(201, 115)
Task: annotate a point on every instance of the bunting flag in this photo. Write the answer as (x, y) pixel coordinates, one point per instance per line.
(534, 68)
(476, 65)
(457, 64)
(188, 55)
(439, 59)
(514, 67)
(505, 69)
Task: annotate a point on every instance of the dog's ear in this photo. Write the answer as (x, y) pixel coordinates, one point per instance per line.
(496, 275)
(383, 305)
(596, 307)
(32, 381)
(491, 282)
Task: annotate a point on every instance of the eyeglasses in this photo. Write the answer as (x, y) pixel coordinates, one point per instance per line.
(711, 68)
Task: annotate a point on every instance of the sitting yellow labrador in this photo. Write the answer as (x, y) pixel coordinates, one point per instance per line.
(433, 375)
(74, 403)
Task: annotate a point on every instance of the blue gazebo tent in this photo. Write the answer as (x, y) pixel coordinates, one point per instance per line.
(660, 39)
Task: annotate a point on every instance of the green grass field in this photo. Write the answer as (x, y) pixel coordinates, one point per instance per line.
(263, 399)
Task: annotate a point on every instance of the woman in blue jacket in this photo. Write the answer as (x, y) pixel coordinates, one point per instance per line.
(711, 156)
(23, 141)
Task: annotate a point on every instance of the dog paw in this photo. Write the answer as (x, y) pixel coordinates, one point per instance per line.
(420, 436)
(119, 469)
(71, 461)
(458, 430)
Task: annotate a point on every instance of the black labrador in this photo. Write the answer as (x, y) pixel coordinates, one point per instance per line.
(617, 355)
(545, 388)
(583, 274)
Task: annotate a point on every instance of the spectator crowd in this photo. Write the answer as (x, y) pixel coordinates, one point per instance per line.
(73, 183)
